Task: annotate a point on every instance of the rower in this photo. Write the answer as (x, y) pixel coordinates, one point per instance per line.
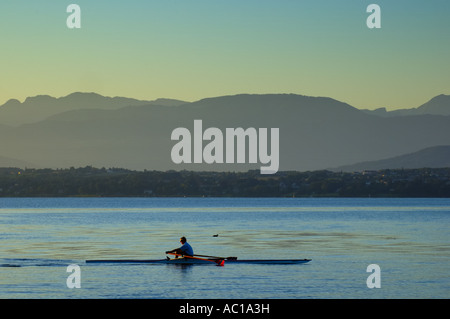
(185, 249)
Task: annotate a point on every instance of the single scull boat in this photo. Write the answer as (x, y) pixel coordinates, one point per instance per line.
(198, 259)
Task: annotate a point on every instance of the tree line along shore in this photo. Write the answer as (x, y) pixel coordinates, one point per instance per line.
(117, 182)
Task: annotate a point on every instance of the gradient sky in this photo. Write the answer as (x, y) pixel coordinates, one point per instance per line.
(192, 49)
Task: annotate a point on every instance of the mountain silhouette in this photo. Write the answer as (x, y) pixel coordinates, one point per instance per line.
(38, 108)
(315, 132)
(431, 157)
(439, 105)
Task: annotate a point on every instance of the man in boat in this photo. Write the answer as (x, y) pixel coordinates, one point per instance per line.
(185, 249)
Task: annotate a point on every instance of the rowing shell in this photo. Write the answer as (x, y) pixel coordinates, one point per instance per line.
(191, 261)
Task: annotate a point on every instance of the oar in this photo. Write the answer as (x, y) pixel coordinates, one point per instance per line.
(225, 258)
(219, 262)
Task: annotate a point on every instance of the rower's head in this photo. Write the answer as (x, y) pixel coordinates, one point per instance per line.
(183, 240)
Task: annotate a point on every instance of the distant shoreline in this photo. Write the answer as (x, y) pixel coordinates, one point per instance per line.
(115, 182)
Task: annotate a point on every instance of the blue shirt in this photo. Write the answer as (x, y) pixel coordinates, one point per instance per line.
(187, 249)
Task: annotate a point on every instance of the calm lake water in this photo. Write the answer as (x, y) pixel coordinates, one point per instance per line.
(407, 238)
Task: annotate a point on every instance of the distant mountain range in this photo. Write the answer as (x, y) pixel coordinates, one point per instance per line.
(315, 132)
(38, 108)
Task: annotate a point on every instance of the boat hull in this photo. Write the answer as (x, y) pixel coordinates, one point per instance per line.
(189, 261)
